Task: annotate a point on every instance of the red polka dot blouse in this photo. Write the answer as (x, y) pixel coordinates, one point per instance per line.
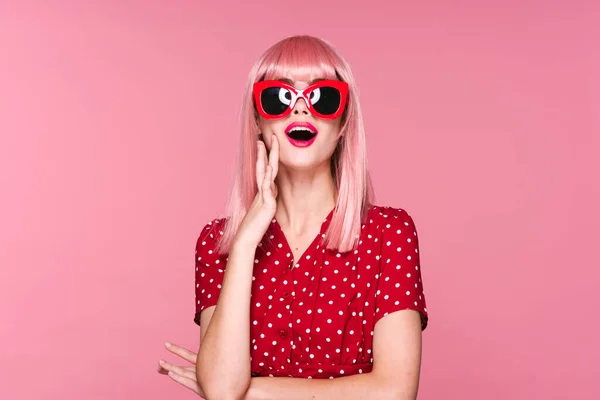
(316, 320)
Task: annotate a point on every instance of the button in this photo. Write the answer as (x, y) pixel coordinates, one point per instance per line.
(286, 294)
(283, 334)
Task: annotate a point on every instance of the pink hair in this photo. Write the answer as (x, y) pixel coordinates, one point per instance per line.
(313, 57)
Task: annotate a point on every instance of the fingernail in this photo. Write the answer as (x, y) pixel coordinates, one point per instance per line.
(167, 344)
(161, 362)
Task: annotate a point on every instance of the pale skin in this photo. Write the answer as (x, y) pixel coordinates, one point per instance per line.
(295, 186)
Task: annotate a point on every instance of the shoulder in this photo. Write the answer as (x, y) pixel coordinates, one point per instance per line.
(390, 225)
(382, 216)
(212, 227)
(207, 239)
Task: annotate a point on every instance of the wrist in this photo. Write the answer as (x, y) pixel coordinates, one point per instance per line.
(242, 246)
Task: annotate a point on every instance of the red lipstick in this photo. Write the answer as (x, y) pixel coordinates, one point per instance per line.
(301, 134)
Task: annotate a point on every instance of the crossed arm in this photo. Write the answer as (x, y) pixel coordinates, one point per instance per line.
(395, 375)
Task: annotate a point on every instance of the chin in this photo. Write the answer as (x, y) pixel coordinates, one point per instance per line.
(302, 163)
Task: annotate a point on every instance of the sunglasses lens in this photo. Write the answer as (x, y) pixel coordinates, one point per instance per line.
(326, 100)
(275, 100)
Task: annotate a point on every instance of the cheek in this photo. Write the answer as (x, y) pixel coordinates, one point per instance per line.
(267, 126)
(331, 129)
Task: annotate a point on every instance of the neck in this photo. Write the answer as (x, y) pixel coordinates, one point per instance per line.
(304, 198)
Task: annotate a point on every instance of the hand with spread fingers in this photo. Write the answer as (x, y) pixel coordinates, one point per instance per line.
(262, 210)
(185, 375)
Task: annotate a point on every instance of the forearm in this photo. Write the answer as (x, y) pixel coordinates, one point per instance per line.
(224, 354)
(362, 386)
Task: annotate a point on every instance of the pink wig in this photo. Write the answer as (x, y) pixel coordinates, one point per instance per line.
(309, 57)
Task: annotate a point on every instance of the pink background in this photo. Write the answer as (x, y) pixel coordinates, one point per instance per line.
(118, 125)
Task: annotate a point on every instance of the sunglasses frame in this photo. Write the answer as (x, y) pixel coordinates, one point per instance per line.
(341, 86)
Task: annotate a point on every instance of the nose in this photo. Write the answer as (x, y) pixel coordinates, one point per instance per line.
(301, 107)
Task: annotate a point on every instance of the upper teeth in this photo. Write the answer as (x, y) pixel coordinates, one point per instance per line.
(301, 128)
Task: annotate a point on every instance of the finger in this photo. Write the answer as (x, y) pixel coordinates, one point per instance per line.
(260, 163)
(162, 370)
(186, 354)
(274, 190)
(269, 190)
(266, 183)
(274, 156)
(178, 370)
(187, 382)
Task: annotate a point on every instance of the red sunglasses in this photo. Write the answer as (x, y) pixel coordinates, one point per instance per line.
(325, 99)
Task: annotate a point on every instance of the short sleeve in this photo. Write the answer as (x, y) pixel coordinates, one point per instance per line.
(210, 267)
(400, 284)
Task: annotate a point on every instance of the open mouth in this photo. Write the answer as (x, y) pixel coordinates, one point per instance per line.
(301, 134)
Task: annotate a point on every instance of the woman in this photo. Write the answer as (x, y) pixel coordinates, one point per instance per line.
(306, 278)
